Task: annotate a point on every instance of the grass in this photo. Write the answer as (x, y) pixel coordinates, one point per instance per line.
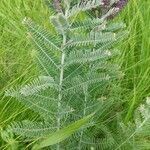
(136, 54)
(16, 61)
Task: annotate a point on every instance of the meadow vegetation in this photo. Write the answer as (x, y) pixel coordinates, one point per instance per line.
(17, 64)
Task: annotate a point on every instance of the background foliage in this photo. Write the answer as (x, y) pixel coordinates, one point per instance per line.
(16, 54)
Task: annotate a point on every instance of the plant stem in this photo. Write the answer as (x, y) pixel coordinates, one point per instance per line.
(60, 87)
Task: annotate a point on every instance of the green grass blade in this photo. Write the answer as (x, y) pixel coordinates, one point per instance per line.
(62, 134)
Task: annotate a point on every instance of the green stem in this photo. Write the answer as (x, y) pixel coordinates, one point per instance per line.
(60, 87)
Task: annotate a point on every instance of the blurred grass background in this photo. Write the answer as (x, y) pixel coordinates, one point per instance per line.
(135, 58)
(16, 61)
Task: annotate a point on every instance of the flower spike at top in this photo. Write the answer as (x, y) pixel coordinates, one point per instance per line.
(118, 5)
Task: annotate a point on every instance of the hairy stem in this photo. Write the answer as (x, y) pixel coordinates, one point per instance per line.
(60, 87)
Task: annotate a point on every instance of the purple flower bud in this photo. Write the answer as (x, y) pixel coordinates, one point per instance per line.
(120, 4)
(106, 3)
